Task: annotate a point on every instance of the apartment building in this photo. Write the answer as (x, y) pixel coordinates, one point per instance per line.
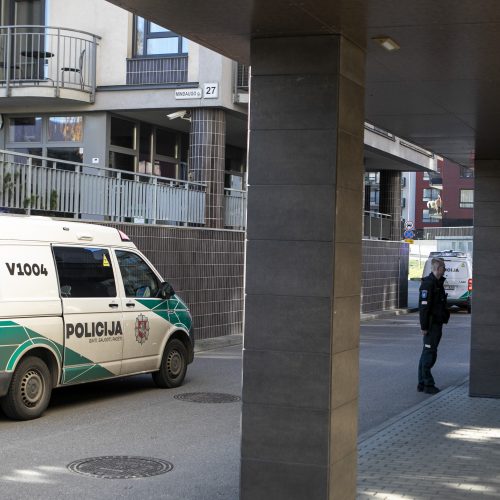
(90, 82)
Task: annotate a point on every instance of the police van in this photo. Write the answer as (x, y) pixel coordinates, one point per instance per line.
(458, 274)
(80, 303)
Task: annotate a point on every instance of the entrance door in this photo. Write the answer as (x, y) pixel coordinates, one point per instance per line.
(144, 315)
(93, 331)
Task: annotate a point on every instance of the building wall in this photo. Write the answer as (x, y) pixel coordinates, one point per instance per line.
(101, 18)
(384, 279)
(452, 184)
(204, 266)
(453, 215)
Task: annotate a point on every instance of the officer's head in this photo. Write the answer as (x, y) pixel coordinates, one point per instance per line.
(438, 267)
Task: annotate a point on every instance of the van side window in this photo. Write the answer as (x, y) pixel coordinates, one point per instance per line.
(138, 278)
(84, 272)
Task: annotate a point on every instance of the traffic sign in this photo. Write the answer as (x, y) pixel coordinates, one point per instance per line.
(409, 235)
(409, 224)
(408, 241)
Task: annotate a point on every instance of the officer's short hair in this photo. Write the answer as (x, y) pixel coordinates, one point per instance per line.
(436, 263)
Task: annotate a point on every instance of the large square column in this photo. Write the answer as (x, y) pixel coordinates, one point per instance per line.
(485, 340)
(300, 360)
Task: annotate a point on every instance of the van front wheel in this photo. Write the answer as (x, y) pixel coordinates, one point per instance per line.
(173, 365)
(29, 391)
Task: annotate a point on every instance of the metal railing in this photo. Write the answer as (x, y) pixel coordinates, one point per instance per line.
(46, 186)
(377, 225)
(157, 70)
(49, 56)
(40, 185)
(235, 205)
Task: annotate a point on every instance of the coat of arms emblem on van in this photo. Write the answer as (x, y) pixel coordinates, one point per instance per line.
(141, 328)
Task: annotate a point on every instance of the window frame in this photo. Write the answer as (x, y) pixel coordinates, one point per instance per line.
(465, 204)
(107, 250)
(158, 278)
(150, 35)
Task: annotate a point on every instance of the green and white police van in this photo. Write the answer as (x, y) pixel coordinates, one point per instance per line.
(80, 303)
(458, 274)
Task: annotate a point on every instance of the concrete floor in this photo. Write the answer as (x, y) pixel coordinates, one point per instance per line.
(131, 416)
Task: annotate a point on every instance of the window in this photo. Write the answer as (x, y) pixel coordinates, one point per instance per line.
(466, 198)
(65, 128)
(25, 129)
(426, 216)
(430, 194)
(466, 173)
(122, 133)
(84, 272)
(154, 40)
(138, 278)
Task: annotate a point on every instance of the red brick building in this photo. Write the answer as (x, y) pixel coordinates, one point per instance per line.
(445, 200)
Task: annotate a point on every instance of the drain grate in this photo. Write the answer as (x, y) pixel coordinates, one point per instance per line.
(120, 467)
(207, 397)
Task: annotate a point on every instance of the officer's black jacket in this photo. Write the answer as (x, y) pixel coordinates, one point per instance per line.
(432, 302)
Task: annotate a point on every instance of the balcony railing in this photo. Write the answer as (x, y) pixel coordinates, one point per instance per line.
(377, 226)
(45, 56)
(157, 70)
(235, 204)
(47, 186)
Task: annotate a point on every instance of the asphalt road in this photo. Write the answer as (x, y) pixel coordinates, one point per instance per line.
(390, 349)
(131, 417)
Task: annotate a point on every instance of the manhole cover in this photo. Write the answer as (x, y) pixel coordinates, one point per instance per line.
(120, 467)
(207, 397)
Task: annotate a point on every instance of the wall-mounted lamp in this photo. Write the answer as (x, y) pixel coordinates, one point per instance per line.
(387, 42)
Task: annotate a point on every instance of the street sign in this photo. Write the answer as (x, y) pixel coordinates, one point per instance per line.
(409, 224)
(408, 234)
(408, 240)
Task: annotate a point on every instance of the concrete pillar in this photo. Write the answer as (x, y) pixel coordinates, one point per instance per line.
(485, 341)
(207, 141)
(390, 200)
(301, 343)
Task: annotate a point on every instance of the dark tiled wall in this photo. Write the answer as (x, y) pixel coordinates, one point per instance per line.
(384, 280)
(206, 268)
(149, 70)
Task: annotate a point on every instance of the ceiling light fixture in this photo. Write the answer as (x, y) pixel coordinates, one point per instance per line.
(387, 42)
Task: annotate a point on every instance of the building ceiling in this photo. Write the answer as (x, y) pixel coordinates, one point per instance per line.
(441, 90)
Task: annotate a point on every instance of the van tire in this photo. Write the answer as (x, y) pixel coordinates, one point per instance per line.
(173, 365)
(29, 391)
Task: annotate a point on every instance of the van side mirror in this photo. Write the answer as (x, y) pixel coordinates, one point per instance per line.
(166, 291)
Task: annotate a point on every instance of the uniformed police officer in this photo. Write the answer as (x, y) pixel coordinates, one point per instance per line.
(433, 314)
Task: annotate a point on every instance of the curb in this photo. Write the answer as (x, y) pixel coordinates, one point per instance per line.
(384, 425)
(218, 342)
(237, 338)
(387, 314)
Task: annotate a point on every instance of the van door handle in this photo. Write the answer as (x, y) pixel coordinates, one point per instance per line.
(130, 304)
(113, 305)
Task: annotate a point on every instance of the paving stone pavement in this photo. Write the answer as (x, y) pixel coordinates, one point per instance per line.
(447, 447)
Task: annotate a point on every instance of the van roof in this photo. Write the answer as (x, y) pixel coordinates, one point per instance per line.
(46, 229)
(448, 253)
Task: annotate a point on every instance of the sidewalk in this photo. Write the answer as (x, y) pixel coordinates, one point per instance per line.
(447, 447)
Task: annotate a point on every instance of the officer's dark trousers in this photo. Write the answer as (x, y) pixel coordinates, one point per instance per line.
(429, 354)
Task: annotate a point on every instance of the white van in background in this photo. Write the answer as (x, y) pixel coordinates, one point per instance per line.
(458, 274)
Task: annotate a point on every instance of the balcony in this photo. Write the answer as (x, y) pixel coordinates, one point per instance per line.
(240, 83)
(376, 226)
(47, 62)
(46, 186)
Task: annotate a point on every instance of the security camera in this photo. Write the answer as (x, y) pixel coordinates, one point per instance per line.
(177, 114)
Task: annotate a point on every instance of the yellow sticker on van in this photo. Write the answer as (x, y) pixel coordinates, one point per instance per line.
(105, 261)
